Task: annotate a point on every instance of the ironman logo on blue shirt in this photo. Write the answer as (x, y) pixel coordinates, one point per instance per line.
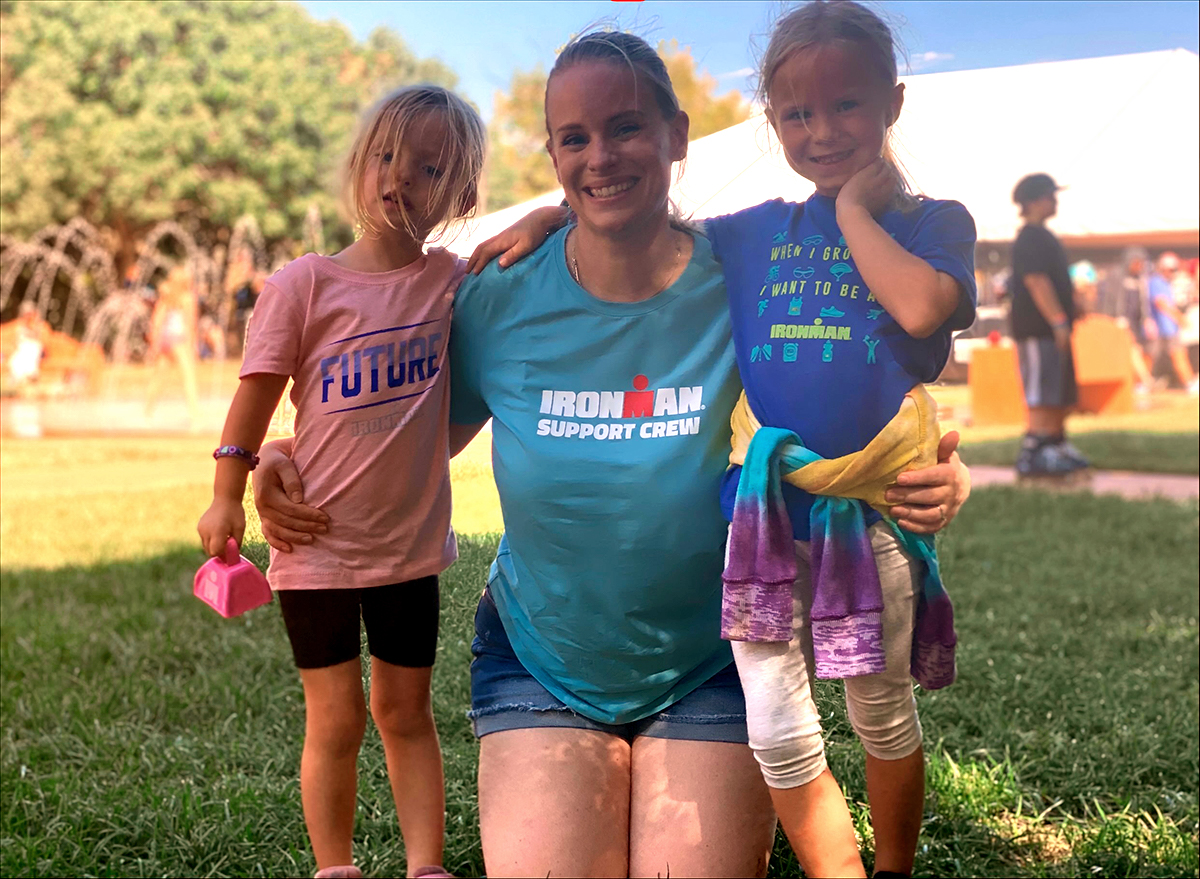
(642, 413)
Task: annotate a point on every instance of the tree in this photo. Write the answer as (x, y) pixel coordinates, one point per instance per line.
(696, 91)
(128, 113)
(518, 166)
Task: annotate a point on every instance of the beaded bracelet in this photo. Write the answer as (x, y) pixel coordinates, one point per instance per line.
(237, 452)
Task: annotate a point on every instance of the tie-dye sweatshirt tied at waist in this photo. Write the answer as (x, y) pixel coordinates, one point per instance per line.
(847, 599)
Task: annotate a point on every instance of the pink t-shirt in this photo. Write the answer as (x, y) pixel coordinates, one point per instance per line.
(367, 353)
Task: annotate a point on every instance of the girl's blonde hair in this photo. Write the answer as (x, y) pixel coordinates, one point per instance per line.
(820, 23)
(384, 128)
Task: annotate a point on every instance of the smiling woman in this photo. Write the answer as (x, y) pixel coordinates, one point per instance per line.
(615, 130)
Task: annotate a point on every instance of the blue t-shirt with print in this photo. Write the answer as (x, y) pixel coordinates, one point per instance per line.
(818, 355)
(610, 436)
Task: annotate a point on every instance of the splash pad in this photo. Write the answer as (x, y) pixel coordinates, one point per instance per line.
(95, 327)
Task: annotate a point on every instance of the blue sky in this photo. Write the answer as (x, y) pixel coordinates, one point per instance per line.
(484, 41)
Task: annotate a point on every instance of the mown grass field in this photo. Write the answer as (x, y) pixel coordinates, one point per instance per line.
(143, 735)
(1160, 437)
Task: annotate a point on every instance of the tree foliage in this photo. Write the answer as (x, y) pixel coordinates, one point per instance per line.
(518, 166)
(696, 90)
(127, 113)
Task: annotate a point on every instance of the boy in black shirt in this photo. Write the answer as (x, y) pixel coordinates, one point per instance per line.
(1043, 310)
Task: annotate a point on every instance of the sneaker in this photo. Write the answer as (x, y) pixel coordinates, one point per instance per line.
(1073, 455)
(1049, 460)
(1027, 460)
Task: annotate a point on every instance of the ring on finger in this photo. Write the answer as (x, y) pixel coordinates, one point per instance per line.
(942, 512)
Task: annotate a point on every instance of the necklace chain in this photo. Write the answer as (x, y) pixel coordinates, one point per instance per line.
(574, 265)
(574, 261)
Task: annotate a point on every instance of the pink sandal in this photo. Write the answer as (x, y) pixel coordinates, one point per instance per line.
(348, 871)
(434, 871)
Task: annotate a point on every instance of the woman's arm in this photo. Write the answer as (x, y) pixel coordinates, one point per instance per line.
(928, 500)
(279, 499)
(279, 493)
(918, 296)
(520, 239)
(461, 436)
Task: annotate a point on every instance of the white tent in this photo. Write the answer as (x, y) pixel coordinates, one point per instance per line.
(1121, 132)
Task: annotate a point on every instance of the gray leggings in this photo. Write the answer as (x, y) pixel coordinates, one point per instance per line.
(783, 721)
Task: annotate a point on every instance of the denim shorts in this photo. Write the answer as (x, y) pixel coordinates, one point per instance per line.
(505, 696)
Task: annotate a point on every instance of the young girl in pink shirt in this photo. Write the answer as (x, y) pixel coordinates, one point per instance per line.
(363, 334)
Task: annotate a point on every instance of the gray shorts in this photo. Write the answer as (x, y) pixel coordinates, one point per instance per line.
(1047, 373)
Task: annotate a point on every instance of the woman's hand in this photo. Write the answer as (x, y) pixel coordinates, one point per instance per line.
(520, 239)
(279, 498)
(927, 500)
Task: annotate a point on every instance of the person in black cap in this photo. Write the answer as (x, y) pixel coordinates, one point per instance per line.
(1043, 310)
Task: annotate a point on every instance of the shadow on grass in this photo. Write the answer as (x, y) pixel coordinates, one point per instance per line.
(145, 735)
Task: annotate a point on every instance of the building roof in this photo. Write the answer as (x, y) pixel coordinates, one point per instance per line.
(1121, 132)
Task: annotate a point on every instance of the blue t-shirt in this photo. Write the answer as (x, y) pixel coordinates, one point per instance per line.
(610, 435)
(818, 355)
(1160, 288)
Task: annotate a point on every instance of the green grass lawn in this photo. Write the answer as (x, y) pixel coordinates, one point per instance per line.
(1163, 436)
(1108, 450)
(143, 735)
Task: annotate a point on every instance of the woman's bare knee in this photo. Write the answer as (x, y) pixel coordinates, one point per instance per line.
(698, 809)
(554, 802)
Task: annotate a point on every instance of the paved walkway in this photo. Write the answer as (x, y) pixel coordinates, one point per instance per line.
(1135, 486)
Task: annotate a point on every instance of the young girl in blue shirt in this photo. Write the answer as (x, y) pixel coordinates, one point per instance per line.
(840, 305)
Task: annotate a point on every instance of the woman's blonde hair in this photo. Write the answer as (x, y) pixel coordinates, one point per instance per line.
(820, 23)
(619, 47)
(384, 128)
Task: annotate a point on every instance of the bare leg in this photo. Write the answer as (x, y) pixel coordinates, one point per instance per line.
(400, 705)
(554, 802)
(1047, 420)
(1182, 366)
(187, 366)
(698, 809)
(818, 825)
(785, 729)
(896, 789)
(335, 717)
(1141, 372)
(884, 715)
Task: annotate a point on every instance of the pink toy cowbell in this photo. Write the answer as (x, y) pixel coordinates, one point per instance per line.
(231, 585)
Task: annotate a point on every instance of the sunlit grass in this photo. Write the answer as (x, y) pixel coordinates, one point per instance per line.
(1148, 452)
(1164, 412)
